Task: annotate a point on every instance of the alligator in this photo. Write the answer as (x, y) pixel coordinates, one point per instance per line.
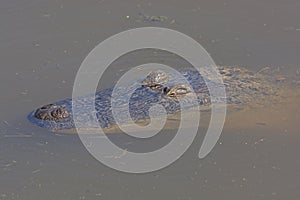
(242, 87)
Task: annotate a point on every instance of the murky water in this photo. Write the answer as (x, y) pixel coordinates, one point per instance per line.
(42, 45)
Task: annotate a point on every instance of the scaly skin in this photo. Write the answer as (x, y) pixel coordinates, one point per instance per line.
(242, 87)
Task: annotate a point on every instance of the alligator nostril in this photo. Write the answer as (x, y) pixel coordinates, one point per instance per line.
(52, 112)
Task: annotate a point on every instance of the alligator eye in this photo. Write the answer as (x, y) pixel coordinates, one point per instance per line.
(178, 91)
(166, 90)
(181, 91)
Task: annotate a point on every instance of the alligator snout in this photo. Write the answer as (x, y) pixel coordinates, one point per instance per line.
(52, 112)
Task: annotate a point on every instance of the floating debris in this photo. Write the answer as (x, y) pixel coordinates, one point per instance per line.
(35, 44)
(25, 92)
(36, 171)
(261, 140)
(153, 18)
(46, 15)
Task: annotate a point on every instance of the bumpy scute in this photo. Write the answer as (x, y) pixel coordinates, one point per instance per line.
(243, 87)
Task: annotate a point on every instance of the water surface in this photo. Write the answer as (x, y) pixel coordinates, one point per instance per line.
(42, 45)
